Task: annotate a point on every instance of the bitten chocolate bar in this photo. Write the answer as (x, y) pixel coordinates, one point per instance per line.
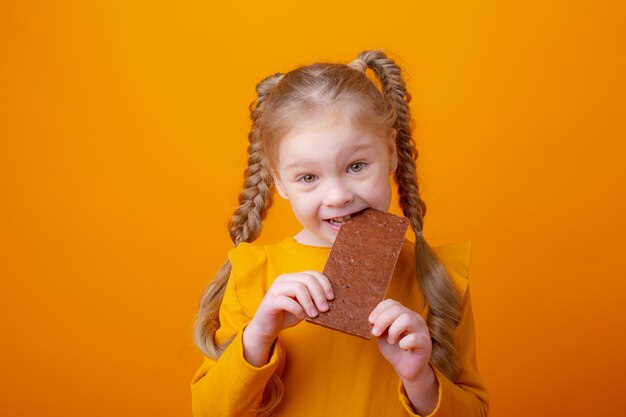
(360, 266)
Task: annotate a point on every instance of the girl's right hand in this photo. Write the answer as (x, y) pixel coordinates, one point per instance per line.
(288, 301)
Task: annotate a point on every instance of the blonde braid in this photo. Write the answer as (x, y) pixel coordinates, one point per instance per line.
(255, 198)
(244, 226)
(442, 298)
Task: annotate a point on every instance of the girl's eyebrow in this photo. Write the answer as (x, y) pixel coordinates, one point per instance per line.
(305, 162)
(361, 147)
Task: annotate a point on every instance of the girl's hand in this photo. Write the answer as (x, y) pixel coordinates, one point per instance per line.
(403, 339)
(290, 298)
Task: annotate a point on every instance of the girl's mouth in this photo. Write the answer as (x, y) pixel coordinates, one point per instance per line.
(338, 221)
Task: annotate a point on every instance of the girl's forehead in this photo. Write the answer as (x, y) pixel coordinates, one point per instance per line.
(326, 141)
(321, 130)
(325, 131)
(330, 124)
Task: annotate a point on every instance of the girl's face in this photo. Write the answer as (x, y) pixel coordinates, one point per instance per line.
(331, 169)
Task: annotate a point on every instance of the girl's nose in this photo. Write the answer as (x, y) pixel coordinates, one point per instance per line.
(337, 195)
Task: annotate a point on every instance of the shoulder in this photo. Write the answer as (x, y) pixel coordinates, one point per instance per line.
(456, 257)
(247, 281)
(252, 267)
(247, 257)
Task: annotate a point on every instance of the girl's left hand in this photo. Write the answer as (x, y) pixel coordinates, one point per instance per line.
(403, 338)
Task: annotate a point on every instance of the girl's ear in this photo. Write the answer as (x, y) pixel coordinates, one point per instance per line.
(393, 152)
(280, 188)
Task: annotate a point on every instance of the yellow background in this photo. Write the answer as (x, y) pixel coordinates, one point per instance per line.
(123, 130)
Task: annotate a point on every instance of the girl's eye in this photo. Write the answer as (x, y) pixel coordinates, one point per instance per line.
(308, 178)
(357, 166)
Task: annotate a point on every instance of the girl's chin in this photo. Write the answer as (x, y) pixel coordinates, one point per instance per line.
(307, 237)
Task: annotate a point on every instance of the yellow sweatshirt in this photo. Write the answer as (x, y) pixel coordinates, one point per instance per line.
(326, 373)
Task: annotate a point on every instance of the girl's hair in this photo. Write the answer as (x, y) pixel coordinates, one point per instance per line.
(288, 100)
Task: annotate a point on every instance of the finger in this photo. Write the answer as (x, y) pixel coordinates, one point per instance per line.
(324, 282)
(386, 318)
(382, 306)
(293, 288)
(300, 291)
(405, 322)
(316, 290)
(290, 305)
(411, 341)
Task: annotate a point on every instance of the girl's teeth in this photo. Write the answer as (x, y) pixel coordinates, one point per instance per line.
(339, 220)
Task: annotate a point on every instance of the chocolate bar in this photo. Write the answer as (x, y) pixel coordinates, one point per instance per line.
(360, 266)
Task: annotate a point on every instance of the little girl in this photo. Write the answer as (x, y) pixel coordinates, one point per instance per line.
(328, 140)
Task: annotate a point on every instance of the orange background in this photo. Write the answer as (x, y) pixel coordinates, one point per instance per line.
(123, 129)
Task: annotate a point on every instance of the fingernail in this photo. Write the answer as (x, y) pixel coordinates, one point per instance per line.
(325, 306)
(330, 295)
(376, 331)
(371, 319)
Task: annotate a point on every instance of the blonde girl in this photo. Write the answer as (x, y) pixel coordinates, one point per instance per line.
(327, 139)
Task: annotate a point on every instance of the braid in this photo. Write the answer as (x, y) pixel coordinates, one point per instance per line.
(441, 297)
(395, 92)
(255, 198)
(244, 226)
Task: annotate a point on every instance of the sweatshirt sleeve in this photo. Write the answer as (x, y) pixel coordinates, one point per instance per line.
(230, 386)
(467, 395)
